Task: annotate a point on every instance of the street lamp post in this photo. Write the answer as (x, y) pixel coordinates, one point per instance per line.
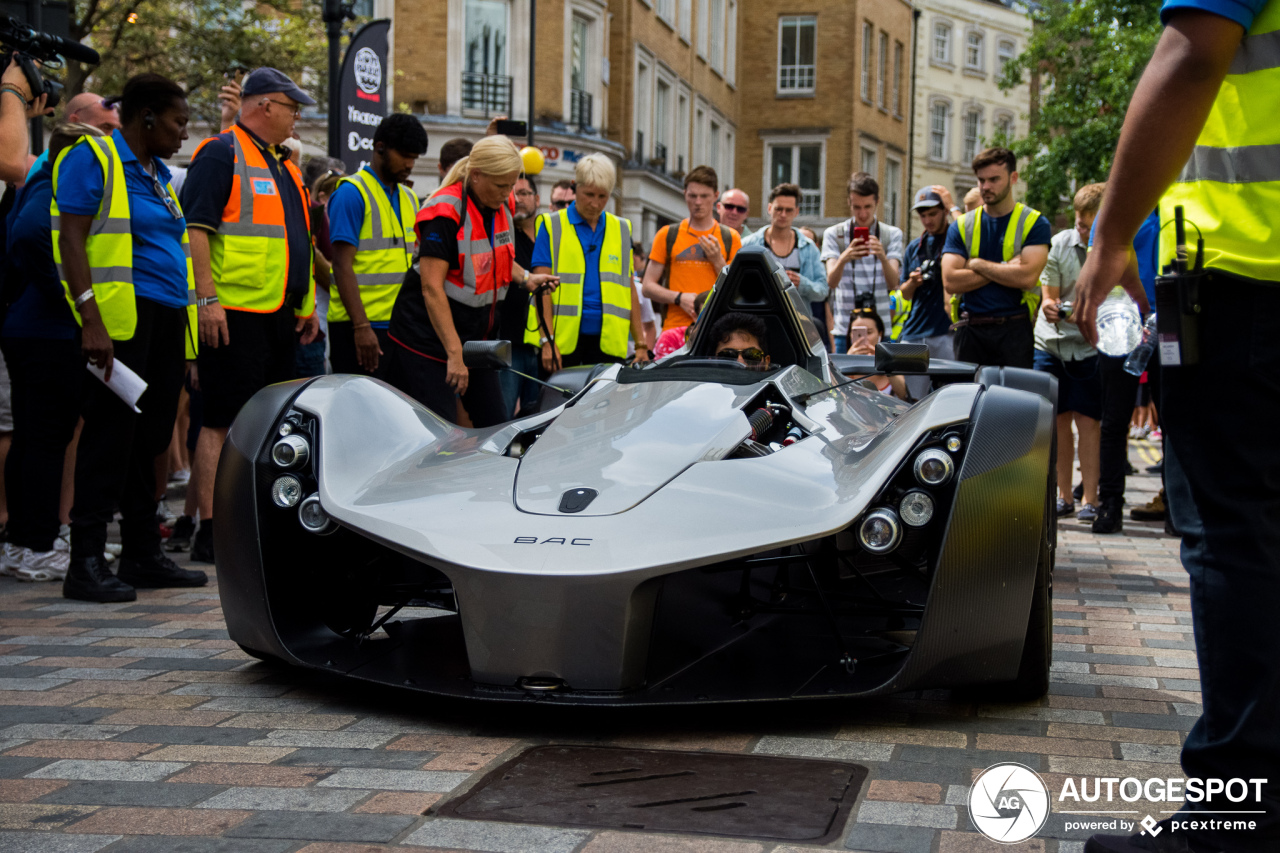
(533, 42)
(335, 12)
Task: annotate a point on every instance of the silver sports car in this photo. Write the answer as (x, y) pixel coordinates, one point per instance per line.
(693, 531)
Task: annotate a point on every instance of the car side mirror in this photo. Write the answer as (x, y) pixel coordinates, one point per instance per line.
(495, 355)
(902, 358)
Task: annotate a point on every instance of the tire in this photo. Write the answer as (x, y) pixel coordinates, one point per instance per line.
(262, 656)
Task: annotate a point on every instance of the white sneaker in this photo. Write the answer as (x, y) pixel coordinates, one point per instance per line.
(115, 549)
(49, 565)
(60, 544)
(11, 557)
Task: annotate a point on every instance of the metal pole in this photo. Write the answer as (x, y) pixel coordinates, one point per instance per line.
(533, 42)
(335, 95)
(911, 120)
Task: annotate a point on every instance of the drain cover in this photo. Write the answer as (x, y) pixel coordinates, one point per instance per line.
(746, 796)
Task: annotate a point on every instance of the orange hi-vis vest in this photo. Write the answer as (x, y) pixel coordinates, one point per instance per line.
(484, 270)
(249, 253)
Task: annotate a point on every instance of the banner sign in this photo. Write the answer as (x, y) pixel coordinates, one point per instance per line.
(363, 93)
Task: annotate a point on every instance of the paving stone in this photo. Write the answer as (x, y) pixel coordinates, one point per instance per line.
(211, 735)
(318, 826)
(108, 771)
(1150, 752)
(496, 837)
(394, 780)
(904, 792)
(14, 767)
(398, 802)
(880, 838)
(972, 842)
(40, 816)
(908, 814)
(60, 731)
(222, 754)
(27, 790)
(357, 758)
(1116, 733)
(208, 664)
(922, 737)
(264, 704)
(815, 748)
(328, 740)
(1171, 722)
(49, 842)
(160, 717)
(251, 775)
(108, 749)
(1047, 746)
(130, 794)
(104, 673)
(165, 653)
(407, 725)
(967, 757)
(643, 842)
(33, 684)
(132, 821)
(196, 844)
(54, 649)
(287, 799)
(159, 702)
(232, 690)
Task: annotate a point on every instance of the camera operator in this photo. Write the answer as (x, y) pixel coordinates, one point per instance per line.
(14, 117)
(928, 323)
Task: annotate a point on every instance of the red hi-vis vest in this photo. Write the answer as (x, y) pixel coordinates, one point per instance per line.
(249, 253)
(484, 270)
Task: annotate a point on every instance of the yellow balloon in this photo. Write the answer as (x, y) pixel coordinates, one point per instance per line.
(532, 159)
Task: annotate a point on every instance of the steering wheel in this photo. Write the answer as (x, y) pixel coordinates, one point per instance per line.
(709, 362)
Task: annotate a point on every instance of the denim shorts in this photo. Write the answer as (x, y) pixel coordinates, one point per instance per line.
(1079, 383)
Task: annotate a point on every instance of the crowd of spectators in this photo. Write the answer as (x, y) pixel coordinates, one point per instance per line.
(248, 268)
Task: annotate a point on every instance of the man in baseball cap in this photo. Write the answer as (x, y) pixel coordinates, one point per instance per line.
(929, 321)
(252, 258)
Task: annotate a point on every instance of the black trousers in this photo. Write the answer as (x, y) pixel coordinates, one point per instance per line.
(1007, 344)
(262, 351)
(423, 379)
(115, 461)
(588, 352)
(1119, 395)
(46, 379)
(1222, 477)
(342, 350)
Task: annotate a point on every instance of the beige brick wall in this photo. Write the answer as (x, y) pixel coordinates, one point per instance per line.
(836, 105)
(421, 46)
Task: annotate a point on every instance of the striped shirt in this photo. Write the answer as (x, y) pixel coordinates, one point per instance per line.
(861, 275)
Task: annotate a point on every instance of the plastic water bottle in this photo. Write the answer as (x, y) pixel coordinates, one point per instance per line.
(1119, 324)
(1136, 363)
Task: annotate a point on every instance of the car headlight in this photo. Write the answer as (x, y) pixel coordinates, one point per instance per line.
(880, 531)
(916, 508)
(286, 491)
(313, 517)
(291, 451)
(954, 443)
(933, 467)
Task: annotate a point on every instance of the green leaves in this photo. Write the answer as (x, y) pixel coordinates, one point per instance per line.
(1084, 60)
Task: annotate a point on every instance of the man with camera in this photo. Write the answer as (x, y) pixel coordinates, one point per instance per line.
(863, 257)
(14, 134)
(928, 322)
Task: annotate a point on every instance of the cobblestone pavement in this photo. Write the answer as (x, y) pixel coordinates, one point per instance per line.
(141, 727)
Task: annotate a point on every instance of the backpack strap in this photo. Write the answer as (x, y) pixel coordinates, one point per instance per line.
(673, 233)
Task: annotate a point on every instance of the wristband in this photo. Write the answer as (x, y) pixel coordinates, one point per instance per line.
(84, 297)
(206, 300)
(365, 325)
(9, 87)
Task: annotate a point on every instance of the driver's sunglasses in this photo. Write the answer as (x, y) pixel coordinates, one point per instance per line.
(751, 355)
(736, 208)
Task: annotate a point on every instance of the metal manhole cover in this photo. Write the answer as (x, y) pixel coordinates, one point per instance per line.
(745, 796)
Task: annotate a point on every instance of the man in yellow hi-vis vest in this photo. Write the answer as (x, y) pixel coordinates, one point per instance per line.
(250, 224)
(371, 216)
(992, 259)
(1201, 133)
(591, 315)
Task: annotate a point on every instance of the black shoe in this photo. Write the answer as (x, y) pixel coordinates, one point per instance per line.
(1078, 493)
(1110, 516)
(158, 571)
(1164, 841)
(183, 529)
(1158, 468)
(1129, 470)
(91, 580)
(202, 544)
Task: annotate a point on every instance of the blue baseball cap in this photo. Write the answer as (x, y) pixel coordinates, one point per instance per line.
(268, 81)
(926, 198)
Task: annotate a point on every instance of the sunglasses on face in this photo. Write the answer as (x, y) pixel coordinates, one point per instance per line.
(736, 208)
(751, 355)
(559, 205)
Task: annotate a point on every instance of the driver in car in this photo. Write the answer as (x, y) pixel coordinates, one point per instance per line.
(740, 337)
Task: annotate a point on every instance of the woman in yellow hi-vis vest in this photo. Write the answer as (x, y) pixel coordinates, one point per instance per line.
(120, 244)
(589, 318)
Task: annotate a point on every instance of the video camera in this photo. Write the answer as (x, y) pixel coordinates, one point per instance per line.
(30, 47)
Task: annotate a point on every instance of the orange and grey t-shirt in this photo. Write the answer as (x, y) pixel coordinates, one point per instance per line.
(691, 271)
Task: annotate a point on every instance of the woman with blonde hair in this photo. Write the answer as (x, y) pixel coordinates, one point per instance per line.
(467, 262)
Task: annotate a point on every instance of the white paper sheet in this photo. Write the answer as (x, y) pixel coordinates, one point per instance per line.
(126, 384)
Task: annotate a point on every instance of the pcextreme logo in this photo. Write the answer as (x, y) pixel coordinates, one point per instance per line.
(1009, 803)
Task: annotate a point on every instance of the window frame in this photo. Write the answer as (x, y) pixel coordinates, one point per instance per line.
(593, 59)
(716, 32)
(869, 153)
(731, 42)
(947, 116)
(816, 198)
(684, 14)
(1001, 116)
(882, 71)
(946, 60)
(704, 27)
(899, 63)
(666, 11)
(1001, 59)
(642, 104)
(971, 111)
(892, 190)
(980, 50)
(797, 70)
(868, 45)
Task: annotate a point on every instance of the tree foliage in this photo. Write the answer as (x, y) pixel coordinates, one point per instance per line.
(1088, 56)
(198, 44)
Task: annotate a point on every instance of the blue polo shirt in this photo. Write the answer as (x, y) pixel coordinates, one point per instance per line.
(159, 263)
(1241, 11)
(42, 310)
(591, 241)
(993, 299)
(346, 215)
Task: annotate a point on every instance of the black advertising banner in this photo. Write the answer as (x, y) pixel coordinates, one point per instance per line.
(363, 88)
